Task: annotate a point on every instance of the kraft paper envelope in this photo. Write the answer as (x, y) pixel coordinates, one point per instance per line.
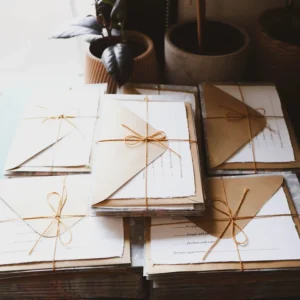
(37, 192)
(262, 188)
(225, 137)
(39, 208)
(210, 95)
(42, 129)
(117, 163)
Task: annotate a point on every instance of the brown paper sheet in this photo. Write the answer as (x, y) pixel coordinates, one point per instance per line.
(215, 129)
(197, 199)
(261, 190)
(225, 137)
(125, 259)
(160, 269)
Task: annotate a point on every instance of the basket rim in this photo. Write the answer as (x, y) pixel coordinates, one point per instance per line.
(262, 31)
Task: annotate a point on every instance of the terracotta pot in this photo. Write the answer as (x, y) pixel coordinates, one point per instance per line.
(276, 60)
(145, 68)
(224, 58)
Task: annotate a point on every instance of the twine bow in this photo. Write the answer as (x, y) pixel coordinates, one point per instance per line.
(62, 117)
(232, 218)
(233, 115)
(56, 221)
(136, 139)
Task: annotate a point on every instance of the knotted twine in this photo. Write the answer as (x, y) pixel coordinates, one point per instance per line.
(61, 118)
(136, 139)
(56, 221)
(232, 219)
(233, 115)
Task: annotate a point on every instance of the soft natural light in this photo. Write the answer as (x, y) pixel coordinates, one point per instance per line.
(27, 56)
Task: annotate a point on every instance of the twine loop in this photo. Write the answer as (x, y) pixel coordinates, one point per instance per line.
(62, 116)
(233, 115)
(56, 220)
(136, 139)
(231, 218)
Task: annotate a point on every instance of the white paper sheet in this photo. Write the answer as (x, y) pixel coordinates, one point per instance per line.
(169, 175)
(92, 237)
(269, 239)
(167, 96)
(81, 102)
(269, 145)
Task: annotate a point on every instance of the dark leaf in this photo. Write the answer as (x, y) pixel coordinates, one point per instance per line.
(118, 61)
(103, 8)
(118, 13)
(88, 27)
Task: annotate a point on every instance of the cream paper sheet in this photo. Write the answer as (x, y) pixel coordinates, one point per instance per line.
(74, 133)
(269, 145)
(92, 237)
(269, 239)
(169, 175)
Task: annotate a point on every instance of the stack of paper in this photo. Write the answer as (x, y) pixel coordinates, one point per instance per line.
(56, 132)
(247, 130)
(251, 225)
(158, 177)
(52, 245)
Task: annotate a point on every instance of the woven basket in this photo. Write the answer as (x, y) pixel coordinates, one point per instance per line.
(276, 61)
(145, 68)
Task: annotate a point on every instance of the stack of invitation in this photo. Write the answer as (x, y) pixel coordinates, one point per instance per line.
(56, 132)
(52, 245)
(174, 92)
(47, 223)
(251, 225)
(146, 161)
(246, 130)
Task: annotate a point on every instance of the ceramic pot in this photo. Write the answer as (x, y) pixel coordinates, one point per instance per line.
(223, 58)
(276, 60)
(145, 68)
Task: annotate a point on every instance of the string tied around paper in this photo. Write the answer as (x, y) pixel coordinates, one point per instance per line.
(136, 139)
(56, 221)
(60, 117)
(232, 218)
(233, 115)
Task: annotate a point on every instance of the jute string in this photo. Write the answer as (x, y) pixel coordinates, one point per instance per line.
(57, 220)
(61, 118)
(232, 219)
(136, 139)
(233, 115)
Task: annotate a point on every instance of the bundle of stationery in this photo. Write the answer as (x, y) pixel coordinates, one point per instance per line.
(252, 225)
(175, 92)
(246, 130)
(52, 245)
(146, 160)
(56, 132)
(169, 92)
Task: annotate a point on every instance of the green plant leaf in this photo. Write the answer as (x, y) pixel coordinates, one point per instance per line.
(89, 27)
(118, 61)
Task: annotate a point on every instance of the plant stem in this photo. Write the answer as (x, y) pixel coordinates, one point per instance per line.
(200, 10)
